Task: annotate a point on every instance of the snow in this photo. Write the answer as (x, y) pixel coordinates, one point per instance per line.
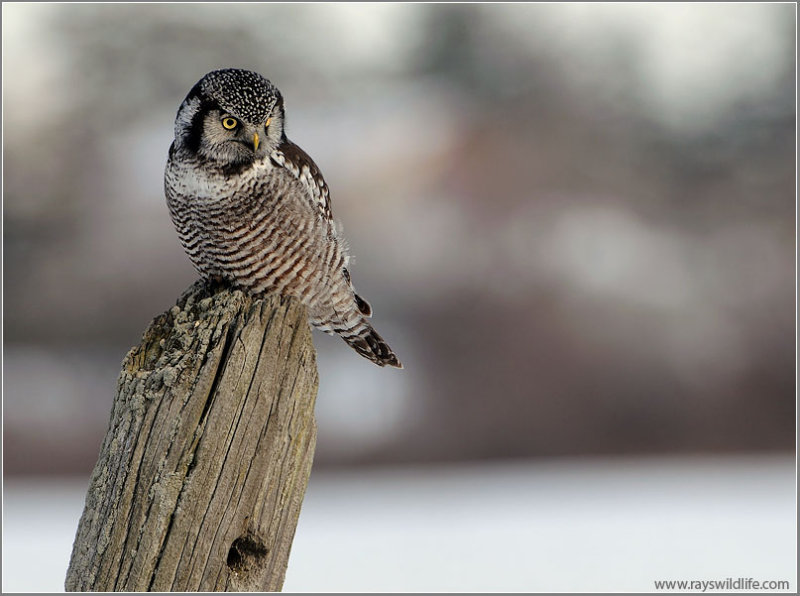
(548, 525)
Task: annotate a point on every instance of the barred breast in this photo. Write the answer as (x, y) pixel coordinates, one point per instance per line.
(260, 231)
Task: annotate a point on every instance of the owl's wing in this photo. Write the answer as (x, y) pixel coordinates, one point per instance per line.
(298, 163)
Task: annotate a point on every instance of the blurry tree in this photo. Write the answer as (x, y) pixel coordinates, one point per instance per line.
(580, 218)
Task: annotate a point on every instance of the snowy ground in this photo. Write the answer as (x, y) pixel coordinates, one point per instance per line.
(554, 525)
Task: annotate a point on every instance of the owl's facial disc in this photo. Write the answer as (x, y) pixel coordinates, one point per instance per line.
(228, 139)
(248, 137)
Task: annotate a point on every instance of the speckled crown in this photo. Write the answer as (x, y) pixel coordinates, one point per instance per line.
(243, 93)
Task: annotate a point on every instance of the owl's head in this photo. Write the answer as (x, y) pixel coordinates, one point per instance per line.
(231, 117)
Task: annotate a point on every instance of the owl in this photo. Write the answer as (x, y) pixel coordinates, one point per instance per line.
(252, 209)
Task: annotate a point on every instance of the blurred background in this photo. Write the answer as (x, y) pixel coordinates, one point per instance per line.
(575, 223)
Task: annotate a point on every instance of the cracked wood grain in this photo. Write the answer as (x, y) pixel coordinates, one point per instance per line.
(205, 463)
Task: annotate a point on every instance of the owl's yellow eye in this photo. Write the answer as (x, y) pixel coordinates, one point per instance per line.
(229, 123)
(266, 124)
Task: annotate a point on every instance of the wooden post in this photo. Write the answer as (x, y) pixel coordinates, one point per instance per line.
(208, 452)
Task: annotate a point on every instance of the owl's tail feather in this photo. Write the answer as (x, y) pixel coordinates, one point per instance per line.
(366, 341)
(363, 306)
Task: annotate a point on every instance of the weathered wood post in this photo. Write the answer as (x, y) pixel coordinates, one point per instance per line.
(208, 452)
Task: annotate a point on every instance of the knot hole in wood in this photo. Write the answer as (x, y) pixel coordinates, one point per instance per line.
(246, 554)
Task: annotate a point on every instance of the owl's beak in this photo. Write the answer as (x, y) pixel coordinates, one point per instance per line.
(255, 142)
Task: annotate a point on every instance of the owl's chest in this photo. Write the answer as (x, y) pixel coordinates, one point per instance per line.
(206, 197)
(201, 188)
